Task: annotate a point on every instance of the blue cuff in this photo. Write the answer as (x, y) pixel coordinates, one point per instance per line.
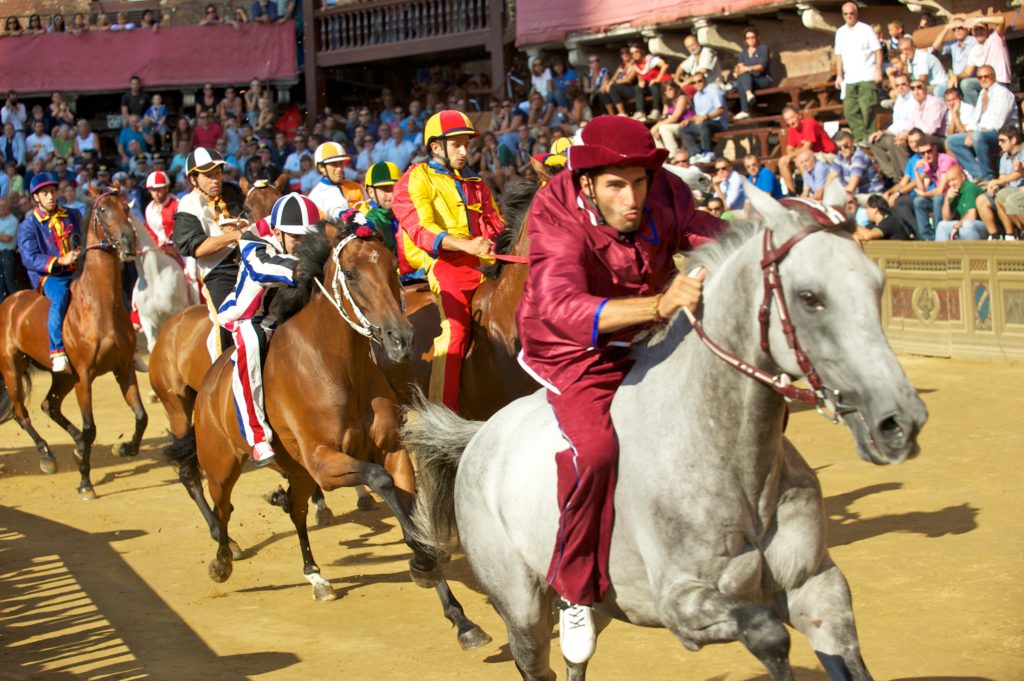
(597, 316)
(437, 243)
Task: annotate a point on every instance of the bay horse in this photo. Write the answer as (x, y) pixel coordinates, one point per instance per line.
(334, 415)
(719, 529)
(491, 375)
(98, 335)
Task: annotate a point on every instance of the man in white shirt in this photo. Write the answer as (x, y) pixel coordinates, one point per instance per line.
(384, 150)
(889, 146)
(38, 143)
(14, 112)
(976, 149)
(858, 63)
(293, 164)
(702, 60)
(924, 66)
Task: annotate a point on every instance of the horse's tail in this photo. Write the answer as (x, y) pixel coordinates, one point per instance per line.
(437, 437)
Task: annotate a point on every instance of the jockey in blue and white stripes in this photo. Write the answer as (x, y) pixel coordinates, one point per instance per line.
(266, 263)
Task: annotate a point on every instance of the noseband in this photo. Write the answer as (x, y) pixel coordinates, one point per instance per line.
(827, 401)
(364, 327)
(107, 243)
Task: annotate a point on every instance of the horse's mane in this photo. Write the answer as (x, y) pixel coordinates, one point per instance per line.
(517, 199)
(313, 252)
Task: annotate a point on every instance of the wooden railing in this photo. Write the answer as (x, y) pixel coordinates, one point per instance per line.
(368, 24)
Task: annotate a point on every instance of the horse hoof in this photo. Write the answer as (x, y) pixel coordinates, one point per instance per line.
(48, 464)
(425, 579)
(324, 517)
(366, 503)
(474, 638)
(236, 550)
(324, 592)
(86, 493)
(125, 450)
(220, 570)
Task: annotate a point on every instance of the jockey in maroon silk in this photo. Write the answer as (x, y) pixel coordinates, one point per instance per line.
(602, 239)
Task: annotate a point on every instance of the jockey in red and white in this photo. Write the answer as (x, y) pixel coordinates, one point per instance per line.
(160, 224)
(602, 239)
(267, 262)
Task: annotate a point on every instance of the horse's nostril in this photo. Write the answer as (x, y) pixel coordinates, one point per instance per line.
(890, 429)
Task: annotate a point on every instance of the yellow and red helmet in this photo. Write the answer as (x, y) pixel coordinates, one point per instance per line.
(447, 123)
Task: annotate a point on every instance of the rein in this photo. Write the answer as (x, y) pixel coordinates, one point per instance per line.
(107, 243)
(364, 327)
(827, 401)
(520, 259)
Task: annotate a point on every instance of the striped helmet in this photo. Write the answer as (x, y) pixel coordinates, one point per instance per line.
(383, 174)
(157, 179)
(203, 160)
(447, 123)
(295, 214)
(329, 152)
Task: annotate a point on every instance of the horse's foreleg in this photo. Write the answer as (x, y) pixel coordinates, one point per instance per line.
(130, 390)
(13, 371)
(300, 487)
(698, 614)
(821, 609)
(324, 515)
(83, 391)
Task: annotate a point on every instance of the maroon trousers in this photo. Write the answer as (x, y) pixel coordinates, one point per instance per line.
(586, 481)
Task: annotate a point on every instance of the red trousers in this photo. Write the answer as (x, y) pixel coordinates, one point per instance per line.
(586, 481)
(453, 281)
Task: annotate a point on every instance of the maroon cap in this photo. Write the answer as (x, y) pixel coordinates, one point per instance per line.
(615, 141)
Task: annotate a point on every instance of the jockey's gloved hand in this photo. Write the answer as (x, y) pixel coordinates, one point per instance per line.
(334, 216)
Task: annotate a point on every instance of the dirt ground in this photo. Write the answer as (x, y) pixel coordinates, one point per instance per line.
(117, 588)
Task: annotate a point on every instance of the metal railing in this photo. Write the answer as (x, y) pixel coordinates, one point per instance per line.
(365, 24)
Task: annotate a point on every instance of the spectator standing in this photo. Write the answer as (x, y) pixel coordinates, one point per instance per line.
(207, 131)
(8, 245)
(975, 149)
(889, 146)
(264, 11)
(150, 21)
(803, 133)
(858, 62)
(14, 112)
(35, 25)
(121, 23)
(12, 145)
(132, 131)
(852, 167)
(210, 16)
(38, 144)
(959, 215)
(761, 176)
(710, 116)
(133, 101)
(57, 24)
(751, 71)
(12, 27)
(102, 23)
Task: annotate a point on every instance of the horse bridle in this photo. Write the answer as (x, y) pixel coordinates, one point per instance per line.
(827, 401)
(107, 243)
(364, 327)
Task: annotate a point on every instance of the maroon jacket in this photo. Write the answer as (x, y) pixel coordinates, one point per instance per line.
(578, 264)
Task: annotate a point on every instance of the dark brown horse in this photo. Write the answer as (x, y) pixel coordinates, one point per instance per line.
(180, 360)
(98, 337)
(491, 375)
(334, 414)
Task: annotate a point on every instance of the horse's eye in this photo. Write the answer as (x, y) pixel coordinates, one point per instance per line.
(810, 300)
(350, 275)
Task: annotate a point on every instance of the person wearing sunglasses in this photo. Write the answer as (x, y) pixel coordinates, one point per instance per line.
(958, 48)
(927, 111)
(991, 204)
(728, 185)
(992, 51)
(975, 150)
(889, 146)
(930, 184)
(853, 168)
(959, 214)
(923, 66)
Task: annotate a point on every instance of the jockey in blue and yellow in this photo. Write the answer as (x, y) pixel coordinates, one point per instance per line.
(448, 217)
(380, 184)
(49, 240)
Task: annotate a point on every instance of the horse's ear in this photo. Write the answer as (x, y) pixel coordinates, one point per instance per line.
(835, 196)
(542, 171)
(282, 183)
(332, 233)
(94, 193)
(773, 212)
(243, 183)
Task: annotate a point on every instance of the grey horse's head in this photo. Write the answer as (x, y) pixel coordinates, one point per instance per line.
(833, 291)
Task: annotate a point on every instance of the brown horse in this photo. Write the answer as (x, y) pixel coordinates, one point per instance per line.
(98, 335)
(334, 414)
(491, 375)
(180, 360)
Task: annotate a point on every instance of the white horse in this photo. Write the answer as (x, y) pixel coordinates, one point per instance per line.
(162, 290)
(719, 530)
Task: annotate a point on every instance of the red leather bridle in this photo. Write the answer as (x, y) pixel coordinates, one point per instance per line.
(826, 400)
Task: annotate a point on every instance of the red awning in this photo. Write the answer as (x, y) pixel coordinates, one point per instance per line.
(541, 21)
(172, 57)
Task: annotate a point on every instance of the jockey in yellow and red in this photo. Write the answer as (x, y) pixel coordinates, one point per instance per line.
(381, 179)
(447, 213)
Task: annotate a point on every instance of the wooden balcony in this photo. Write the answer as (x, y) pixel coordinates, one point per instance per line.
(358, 32)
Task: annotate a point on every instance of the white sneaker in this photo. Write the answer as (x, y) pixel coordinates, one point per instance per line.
(59, 363)
(740, 116)
(576, 631)
(640, 116)
(262, 453)
(751, 96)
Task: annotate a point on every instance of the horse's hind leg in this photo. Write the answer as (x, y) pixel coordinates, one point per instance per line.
(821, 610)
(221, 476)
(14, 371)
(324, 515)
(698, 614)
(364, 502)
(60, 385)
(130, 390)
